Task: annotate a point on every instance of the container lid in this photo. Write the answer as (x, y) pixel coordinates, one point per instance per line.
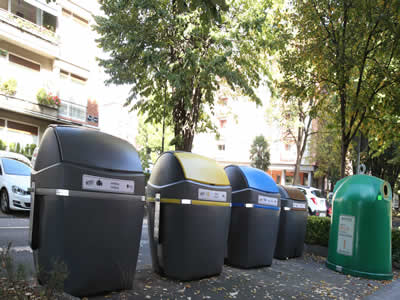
(93, 148)
(284, 194)
(291, 193)
(201, 169)
(249, 177)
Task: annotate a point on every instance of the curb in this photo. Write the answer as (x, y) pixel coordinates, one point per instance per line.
(389, 292)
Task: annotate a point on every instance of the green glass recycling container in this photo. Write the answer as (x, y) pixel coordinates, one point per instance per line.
(360, 235)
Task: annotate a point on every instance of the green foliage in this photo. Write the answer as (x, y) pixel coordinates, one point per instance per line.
(326, 146)
(396, 248)
(9, 87)
(175, 56)
(27, 150)
(386, 165)
(149, 140)
(351, 52)
(3, 145)
(259, 153)
(318, 231)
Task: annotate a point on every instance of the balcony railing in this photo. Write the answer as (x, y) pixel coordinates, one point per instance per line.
(21, 23)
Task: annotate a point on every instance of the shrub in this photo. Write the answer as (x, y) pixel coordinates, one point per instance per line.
(318, 230)
(9, 87)
(3, 145)
(396, 247)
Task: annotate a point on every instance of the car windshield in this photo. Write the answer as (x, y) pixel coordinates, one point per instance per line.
(13, 167)
(317, 193)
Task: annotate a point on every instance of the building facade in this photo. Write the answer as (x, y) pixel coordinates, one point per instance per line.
(239, 122)
(47, 52)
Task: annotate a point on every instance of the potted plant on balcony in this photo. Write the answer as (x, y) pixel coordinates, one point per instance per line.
(47, 99)
(9, 87)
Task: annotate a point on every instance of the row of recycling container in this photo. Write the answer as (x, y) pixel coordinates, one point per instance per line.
(88, 194)
(88, 198)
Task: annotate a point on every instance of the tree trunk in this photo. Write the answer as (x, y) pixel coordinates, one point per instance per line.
(297, 170)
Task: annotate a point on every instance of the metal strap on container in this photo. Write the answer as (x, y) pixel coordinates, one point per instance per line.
(252, 205)
(157, 218)
(189, 201)
(87, 194)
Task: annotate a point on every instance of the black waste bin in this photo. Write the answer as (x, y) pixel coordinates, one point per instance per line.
(87, 209)
(188, 201)
(293, 223)
(254, 218)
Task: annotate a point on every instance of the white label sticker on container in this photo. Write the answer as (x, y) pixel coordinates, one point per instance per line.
(102, 184)
(267, 200)
(299, 205)
(346, 235)
(212, 195)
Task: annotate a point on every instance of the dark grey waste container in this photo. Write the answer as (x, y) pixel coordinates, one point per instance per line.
(188, 200)
(254, 219)
(293, 223)
(87, 209)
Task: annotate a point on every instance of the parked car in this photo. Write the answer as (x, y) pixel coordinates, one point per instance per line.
(329, 204)
(316, 202)
(15, 179)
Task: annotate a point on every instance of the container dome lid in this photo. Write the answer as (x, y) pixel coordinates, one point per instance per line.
(259, 179)
(248, 177)
(291, 193)
(93, 148)
(201, 169)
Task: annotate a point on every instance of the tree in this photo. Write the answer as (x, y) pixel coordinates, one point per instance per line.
(385, 165)
(352, 48)
(259, 153)
(175, 60)
(149, 140)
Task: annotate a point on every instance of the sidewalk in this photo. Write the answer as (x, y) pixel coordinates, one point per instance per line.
(390, 292)
(300, 278)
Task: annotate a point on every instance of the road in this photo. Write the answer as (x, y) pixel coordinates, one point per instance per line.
(14, 229)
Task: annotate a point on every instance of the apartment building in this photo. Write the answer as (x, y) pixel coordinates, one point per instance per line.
(47, 48)
(239, 122)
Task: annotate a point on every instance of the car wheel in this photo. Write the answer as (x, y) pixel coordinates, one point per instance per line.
(4, 202)
(310, 212)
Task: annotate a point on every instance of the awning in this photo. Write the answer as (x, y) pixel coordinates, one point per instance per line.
(50, 8)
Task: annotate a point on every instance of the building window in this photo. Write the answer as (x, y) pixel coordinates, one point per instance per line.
(222, 123)
(23, 62)
(23, 128)
(221, 147)
(16, 132)
(73, 96)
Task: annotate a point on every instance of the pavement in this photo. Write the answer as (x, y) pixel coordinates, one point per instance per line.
(300, 278)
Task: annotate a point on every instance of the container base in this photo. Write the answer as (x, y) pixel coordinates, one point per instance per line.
(344, 270)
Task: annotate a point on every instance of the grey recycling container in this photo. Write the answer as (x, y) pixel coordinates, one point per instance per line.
(188, 199)
(254, 218)
(293, 223)
(87, 192)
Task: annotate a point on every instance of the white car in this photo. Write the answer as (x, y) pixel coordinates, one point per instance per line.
(316, 203)
(15, 179)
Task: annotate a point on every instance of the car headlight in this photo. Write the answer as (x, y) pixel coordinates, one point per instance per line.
(18, 190)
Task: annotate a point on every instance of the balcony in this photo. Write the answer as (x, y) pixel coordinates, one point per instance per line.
(28, 107)
(18, 30)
